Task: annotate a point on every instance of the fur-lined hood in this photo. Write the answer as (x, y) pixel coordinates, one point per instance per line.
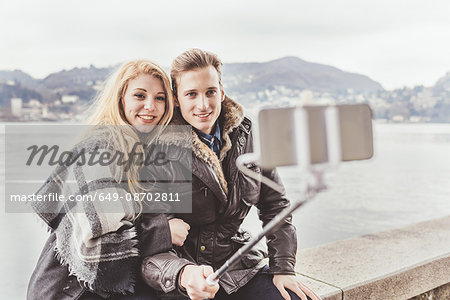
(231, 115)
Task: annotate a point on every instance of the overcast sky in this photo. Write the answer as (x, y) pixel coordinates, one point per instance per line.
(394, 42)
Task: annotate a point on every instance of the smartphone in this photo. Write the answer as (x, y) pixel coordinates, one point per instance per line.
(310, 135)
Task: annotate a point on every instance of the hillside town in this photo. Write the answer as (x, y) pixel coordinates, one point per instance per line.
(414, 105)
(65, 96)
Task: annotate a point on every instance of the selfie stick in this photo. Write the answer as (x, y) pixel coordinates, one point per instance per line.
(270, 227)
(313, 188)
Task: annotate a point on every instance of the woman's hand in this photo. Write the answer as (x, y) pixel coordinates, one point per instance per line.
(178, 231)
(293, 283)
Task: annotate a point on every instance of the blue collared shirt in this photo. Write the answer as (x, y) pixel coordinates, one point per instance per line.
(212, 141)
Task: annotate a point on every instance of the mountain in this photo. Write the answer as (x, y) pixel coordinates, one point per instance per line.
(443, 84)
(290, 72)
(77, 81)
(18, 76)
(278, 82)
(75, 78)
(293, 73)
(8, 91)
(441, 98)
(239, 78)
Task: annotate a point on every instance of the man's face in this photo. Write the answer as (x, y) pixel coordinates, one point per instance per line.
(199, 96)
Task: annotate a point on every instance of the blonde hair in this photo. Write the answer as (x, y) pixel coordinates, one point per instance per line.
(193, 59)
(107, 110)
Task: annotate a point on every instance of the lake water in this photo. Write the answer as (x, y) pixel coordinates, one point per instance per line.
(406, 182)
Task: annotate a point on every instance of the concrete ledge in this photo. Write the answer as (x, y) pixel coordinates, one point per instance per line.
(442, 292)
(396, 264)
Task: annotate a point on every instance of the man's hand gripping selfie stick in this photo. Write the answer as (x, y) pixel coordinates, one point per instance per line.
(337, 133)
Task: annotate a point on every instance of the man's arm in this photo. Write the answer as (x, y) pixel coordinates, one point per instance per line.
(282, 243)
(161, 271)
(170, 274)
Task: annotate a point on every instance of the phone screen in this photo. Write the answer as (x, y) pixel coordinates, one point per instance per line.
(313, 134)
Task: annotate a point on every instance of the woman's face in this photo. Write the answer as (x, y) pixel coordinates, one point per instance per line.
(144, 102)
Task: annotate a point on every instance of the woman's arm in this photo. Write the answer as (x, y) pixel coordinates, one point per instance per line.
(158, 232)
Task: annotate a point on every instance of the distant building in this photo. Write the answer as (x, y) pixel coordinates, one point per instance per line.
(16, 107)
(415, 119)
(69, 99)
(306, 97)
(45, 112)
(98, 85)
(398, 118)
(34, 103)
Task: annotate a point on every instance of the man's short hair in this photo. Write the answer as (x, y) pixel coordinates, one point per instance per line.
(193, 59)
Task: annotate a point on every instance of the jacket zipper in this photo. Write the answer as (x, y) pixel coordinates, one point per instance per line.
(205, 191)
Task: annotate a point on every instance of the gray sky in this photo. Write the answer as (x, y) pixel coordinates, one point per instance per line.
(394, 42)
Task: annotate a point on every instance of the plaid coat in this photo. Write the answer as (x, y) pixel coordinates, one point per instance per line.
(94, 242)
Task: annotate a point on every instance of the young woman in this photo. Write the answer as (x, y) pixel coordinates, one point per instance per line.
(94, 247)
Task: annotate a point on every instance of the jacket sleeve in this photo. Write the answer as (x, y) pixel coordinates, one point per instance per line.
(161, 272)
(161, 267)
(154, 234)
(154, 230)
(282, 243)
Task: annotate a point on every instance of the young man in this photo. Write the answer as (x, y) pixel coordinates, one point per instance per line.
(222, 197)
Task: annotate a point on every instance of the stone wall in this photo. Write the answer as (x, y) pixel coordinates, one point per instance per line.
(395, 264)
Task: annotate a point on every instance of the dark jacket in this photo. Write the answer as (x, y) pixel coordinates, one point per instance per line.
(51, 280)
(221, 198)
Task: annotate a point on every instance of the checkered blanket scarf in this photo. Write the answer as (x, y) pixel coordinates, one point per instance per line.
(96, 239)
